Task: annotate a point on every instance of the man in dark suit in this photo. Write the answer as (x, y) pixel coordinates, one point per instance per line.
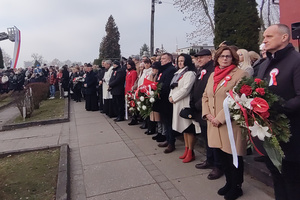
(117, 88)
(165, 76)
(90, 83)
(282, 71)
(205, 66)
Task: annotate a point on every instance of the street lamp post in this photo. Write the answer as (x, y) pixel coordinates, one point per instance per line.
(152, 26)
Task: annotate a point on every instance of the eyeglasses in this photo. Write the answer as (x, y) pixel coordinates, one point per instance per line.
(225, 56)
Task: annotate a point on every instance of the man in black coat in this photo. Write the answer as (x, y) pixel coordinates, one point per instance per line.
(90, 83)
(205, 66)
(284, 62)
(117, 88)
(165, 76)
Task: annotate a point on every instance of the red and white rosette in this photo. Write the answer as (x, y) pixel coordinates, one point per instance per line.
(273, 75)
(227, 78)
(203, 72)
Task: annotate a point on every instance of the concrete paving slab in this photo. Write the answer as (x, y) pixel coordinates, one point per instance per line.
(91, 138)
(147, 192)
(114, 176)
(104, 153)
(147, 145)
(37, 142)
(133, 132)
(87, 120)
(95, 127)
(173, 167)
(8, 145)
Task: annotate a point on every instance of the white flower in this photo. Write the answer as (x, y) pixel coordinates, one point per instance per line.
(232, 104)
(236, 117)
(131, 109)
(152, 100)
(142, 98)
(259, 131)
(144, 107)
(138, 103)
(151, 93)
(244, 101)
(138, 108)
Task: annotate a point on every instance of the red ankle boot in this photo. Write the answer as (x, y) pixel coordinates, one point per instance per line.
(189, 157)
(185, 153)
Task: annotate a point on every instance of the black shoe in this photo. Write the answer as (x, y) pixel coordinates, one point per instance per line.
(133, 122)
(150, 132)
(215, 174)
(165, 144)
(156, 136)
(234, 193)
(162, 138)
(144, 125)
(224, 190)
(204, 165)
(119, 119)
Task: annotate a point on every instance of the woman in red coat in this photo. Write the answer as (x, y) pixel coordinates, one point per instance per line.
(131, 76)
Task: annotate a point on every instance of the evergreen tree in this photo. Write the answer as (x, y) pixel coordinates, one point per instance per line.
(1, 60)
(237, 22)
(109, 46)
(144, 50)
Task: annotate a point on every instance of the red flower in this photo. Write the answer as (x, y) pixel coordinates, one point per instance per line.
(153, 86)
(265, 115)
(259, 105)
(246, 89)
(143, 89)
(257, 80)
(132, 103)
(260, 91)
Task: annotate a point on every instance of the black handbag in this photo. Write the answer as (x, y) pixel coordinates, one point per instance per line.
(187, 113)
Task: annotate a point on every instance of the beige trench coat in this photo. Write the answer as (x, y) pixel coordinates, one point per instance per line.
(181, 98)
(212, 103)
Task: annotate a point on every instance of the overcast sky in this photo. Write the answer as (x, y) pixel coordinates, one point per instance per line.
(73, 29)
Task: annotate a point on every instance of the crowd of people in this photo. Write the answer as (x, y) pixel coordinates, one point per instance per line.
(193, 89)
(190, 102)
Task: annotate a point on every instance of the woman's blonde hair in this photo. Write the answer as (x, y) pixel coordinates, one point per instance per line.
(247, 61)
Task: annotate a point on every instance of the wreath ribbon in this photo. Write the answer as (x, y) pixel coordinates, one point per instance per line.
(247, 123)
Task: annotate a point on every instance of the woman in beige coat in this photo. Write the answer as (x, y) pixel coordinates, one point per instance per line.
(181, 86)
(223, 79)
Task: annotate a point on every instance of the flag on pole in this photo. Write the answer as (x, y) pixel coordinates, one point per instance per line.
(16, 48)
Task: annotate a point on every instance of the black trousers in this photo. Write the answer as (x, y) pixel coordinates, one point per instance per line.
(212, 154)
(234, 176)
(286, 183)
(119, 105)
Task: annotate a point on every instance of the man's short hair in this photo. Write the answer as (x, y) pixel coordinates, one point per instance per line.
(284, 29)
(108, 62)
(169, 55)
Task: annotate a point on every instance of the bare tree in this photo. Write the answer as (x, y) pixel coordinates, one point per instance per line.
(268, 13)
(37, 57)
(200, 14)
(6, 59)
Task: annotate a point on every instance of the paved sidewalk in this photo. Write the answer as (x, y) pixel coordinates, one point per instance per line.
(115, 161)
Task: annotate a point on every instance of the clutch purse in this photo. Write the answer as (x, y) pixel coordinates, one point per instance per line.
(187, 113)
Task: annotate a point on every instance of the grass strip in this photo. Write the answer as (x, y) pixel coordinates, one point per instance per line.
(29, 175)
